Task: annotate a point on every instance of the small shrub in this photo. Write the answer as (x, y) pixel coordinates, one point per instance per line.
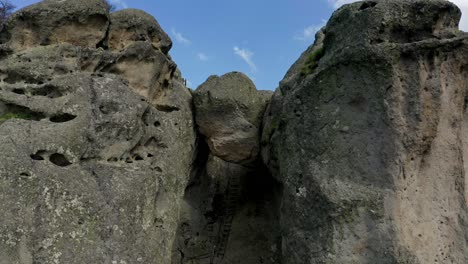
(312, 60)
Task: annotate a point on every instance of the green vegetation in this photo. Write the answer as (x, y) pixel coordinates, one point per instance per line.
(8, 116)
(312, 60)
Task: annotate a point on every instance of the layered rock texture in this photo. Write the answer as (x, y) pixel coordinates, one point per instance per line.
(360, 155)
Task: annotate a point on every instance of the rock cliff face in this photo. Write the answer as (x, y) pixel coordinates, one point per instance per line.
(359, 156)
(96, 136)
(366, 134)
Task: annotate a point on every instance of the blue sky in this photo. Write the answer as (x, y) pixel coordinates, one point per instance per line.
(261, 38)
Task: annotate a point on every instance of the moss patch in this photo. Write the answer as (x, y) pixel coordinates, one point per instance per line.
(9, 116)
(312, 60)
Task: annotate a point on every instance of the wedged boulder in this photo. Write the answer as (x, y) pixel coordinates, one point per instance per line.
(92, 168)
(131, 25)
(228, 112)
(366, 138)
(81, 23)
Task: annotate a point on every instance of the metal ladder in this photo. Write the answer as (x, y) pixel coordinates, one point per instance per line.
(233, 192)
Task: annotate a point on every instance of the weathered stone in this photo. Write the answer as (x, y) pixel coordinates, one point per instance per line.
(229, 113)
(367, 138)
(131, 25)
(94, 162)
(81, 23)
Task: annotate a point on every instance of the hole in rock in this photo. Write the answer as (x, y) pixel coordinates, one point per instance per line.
(157, 124)
(59, 160)
(167, 108)
(18, 91)
(48, 91)
(62, 118)
(19, 112)
(38, 155)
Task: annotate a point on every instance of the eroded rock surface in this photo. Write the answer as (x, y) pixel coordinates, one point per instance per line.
(229, 113)
(81, 23)
(366, 137)
(363, 146)
(96, 144)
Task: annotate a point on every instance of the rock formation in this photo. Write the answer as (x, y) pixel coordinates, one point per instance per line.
(366, 134)
(96, 137)
(359, 156)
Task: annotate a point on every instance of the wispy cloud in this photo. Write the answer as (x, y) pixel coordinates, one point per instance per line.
(180, 38)
(202, 56)
(246, 55)
(308, 33)
(119, 4)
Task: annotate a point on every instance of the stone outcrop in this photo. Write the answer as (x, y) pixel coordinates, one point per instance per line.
(229, 113)
(96, 140)
(366, 134)
(360, 155)
(81, 23)
(131, 25)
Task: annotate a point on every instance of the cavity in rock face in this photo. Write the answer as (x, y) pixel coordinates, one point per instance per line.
(91, 170)
(367, 138)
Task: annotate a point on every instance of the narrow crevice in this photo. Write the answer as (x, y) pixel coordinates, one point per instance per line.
(104, 43)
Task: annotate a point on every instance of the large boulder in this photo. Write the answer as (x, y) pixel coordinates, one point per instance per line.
(94, 161)
(81, 23)
(228, 112)
(131, 25)
(365, 133)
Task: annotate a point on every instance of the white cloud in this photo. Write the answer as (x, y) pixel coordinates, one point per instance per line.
(309, 32)
(246, 55)
(119, 4)
(462, 4)
(180, 38)
(202, 56)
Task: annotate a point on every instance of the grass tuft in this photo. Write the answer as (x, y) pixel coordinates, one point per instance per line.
(312, 60)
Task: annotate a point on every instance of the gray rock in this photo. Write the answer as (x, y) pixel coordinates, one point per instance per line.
(367, 138)
(229, 113)
(81, 23)
(131, 25)
(93, 161)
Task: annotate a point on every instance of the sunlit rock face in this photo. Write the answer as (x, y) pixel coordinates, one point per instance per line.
(366, 133)
(96, 136)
